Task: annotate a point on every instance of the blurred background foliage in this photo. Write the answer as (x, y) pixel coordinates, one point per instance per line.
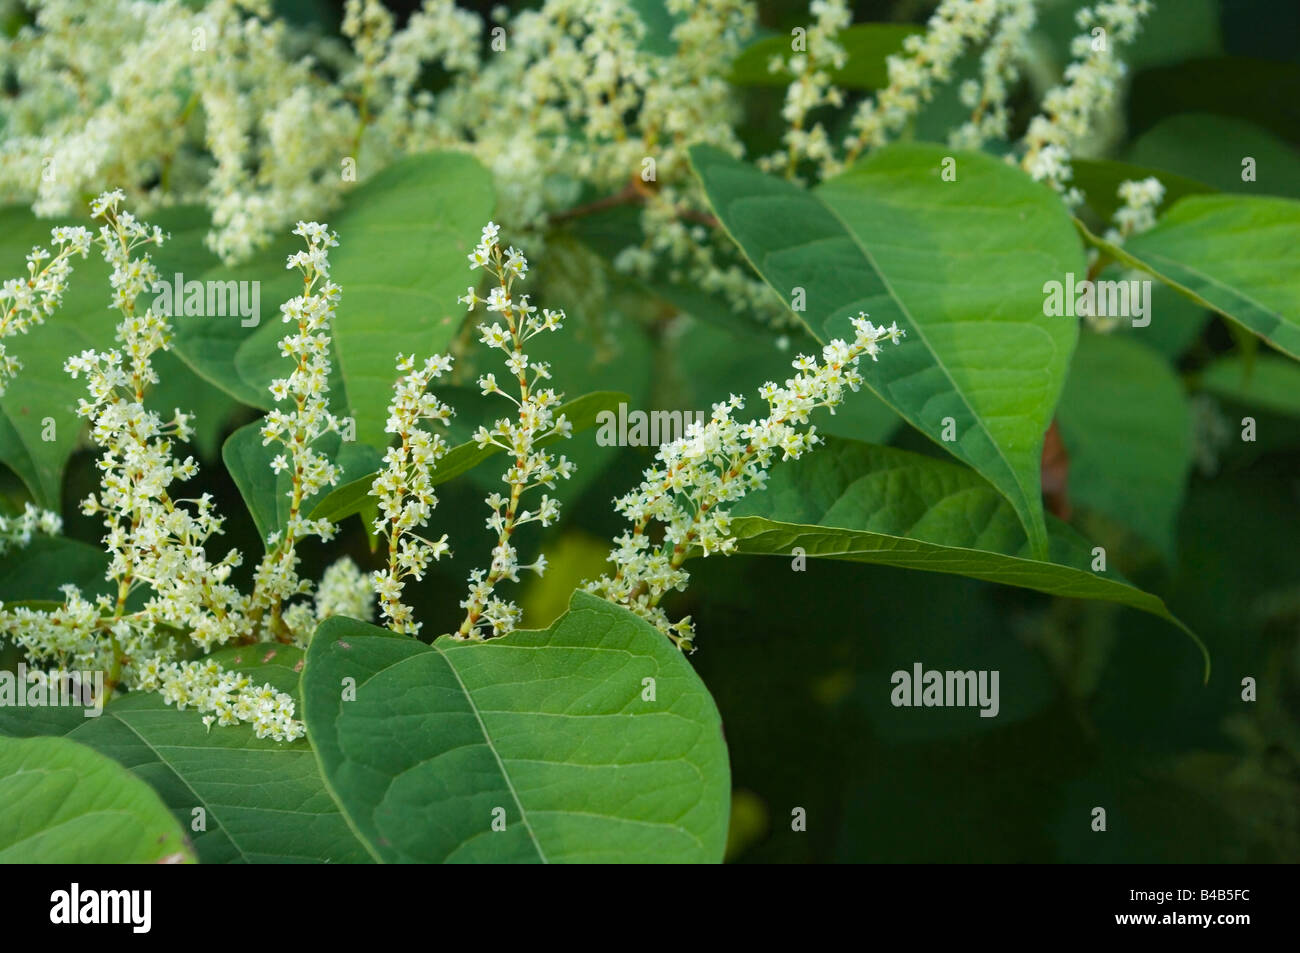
(1100, 706)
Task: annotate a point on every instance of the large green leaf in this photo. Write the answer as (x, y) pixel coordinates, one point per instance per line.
(37, 570)
(1231, 253)
(401, 262)
(1212, 148)
(960, 265)
(856, 502)
(549, 732)
(65, 803)
(1128, 430)
(867, 46)
(263, 801)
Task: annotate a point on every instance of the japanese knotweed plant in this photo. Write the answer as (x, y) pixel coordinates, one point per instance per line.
(172, 604)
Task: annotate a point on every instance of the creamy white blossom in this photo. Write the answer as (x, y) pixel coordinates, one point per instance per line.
(307, 419)
(405, 489)
(699, 476)
(520, 435)
(155, 540)
(17, 531)
(1090, 87)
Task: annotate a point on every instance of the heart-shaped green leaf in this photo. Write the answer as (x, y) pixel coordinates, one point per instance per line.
(65, 803)
(243, 799)
(959, 264)
(1233, 254)
(856, 502)
(591, 741)
(404, 239)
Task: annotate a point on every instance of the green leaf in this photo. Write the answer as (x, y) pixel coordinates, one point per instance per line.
(867, 46)
(36, 571)
(852, 501)
(1212, 148)
(1269, 382)
(550, 727)
(65, 803)
(1128, 431)
(263, 801)
(960, 265)
(1230, 253)
(351, 497)
(267, 494)
(401, 262)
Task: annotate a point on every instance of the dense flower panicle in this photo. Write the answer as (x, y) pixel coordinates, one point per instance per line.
(155, 541)
(927, 62)
(343, 590)
(811, 87)
(1091, 85)
(405, 489)
(987, 96)
(215, 103)
(1137, 214)
(226, 698)
(308, 418)
(263, 123)
(520, 436)
(713, 465)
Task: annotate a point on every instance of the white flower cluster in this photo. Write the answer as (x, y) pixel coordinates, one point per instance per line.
(222, 105)
(521, 437)
(214, 103)
(576, 103)
(811, 87)
(343, 590)
(930, 57)
(715, 464)
(306, 389)
(1090, 88)
(1137, 214)
(405, 489)
(156, 542)
(26, 302)
(226, 698)
(999, 72)
(17, 531)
